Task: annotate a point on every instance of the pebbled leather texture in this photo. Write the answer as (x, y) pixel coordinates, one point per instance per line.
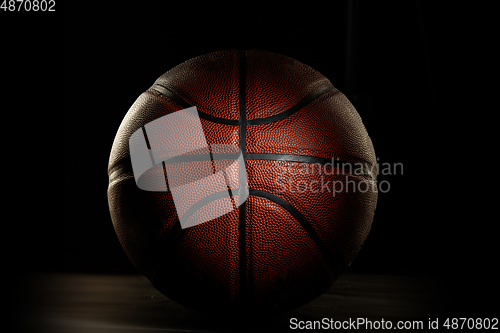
(296, 235)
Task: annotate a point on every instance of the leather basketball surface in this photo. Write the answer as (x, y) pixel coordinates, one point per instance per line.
(301, 225)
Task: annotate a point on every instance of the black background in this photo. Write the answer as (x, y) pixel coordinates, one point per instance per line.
(389, 58)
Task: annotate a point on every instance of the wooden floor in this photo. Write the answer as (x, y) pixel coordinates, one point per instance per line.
(128, 303)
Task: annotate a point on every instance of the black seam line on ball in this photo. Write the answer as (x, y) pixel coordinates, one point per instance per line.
(259, 121)
(287, 113)
(242, 123)
(217, 120)
(335, 261)
(164, 91)
(242, 120)
(290, 158)
(126, 166)
(356, 168)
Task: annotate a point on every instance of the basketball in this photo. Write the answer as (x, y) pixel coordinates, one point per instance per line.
(242, 182)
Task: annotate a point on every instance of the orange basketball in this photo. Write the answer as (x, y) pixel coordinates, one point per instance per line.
(310, 184)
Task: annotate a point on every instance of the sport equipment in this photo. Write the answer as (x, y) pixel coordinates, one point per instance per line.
(311, 172)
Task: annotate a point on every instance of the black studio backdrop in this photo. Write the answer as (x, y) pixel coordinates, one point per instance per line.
(385, 57)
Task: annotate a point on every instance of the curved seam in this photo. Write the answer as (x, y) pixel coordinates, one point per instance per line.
(179, 100)
(363, 168)
(297, 107)
(258, 121)
(125, 166)
(335, 261)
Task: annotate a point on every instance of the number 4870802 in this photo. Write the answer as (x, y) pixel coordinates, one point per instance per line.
(28, 5)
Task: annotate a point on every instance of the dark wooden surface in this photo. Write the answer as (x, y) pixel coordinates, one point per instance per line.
(128, 303)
